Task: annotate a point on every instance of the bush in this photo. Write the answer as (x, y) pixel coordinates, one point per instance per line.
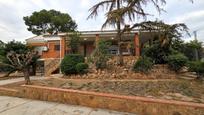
(100, 56)
(176, 61)
(157, 53)
(82, 68)
(3, 59)
(143, 65)
(198, 67)
(68, 64)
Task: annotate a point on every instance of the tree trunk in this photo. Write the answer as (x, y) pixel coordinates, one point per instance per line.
(120, 59)
(34, 69)
(10, 72)
(26, 76)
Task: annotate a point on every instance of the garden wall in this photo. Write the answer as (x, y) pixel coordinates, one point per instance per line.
(138, 105)
(9, 92)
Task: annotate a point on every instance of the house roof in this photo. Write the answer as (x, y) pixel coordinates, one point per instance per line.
(88, 34)
(42, 38)
(48, 37)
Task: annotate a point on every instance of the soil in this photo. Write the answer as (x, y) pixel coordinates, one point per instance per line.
(12, 76)
(175, 89)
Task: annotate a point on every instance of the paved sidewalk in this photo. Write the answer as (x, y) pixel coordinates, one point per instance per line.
(20, 106)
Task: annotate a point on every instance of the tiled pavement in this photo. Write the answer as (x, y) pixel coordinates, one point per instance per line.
(19, 106)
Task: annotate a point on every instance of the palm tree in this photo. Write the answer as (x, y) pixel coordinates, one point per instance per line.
(118, 12)
(166, 31)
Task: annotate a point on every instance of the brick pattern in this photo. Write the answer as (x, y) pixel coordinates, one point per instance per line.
(138, 105)
(51, 53)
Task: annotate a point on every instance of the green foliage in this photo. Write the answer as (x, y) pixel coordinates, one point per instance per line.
(68, 64)
(178, 45)
(177, 61)
(192, 49)
(198, 67)
(189, 49)
(74, 42)
(2, 48)
(49, 21)
(82, 68)
(101, 55)
(157, 53)
(3, 68)
(12, 46)
(143, 64)
(17, 47)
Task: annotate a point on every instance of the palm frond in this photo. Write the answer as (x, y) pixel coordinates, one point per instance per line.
(94, 10)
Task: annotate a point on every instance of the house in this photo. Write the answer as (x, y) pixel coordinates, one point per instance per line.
(55, 46)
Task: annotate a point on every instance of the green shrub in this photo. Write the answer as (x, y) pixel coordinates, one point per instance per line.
(82, 68)
(176, 61)
(100, 56)
(77, 58)
(3, 59)
(198, 67)
(143, 65)
(157, 53)
(68, 64)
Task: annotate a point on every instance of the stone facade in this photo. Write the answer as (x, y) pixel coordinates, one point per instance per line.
(138, 105)
(50, 65)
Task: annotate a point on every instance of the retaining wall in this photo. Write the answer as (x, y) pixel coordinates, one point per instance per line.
(138, 105)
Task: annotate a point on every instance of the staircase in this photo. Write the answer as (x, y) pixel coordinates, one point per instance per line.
(51, 65)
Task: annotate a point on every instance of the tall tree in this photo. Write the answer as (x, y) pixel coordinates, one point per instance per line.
(119, 12)
(49, 21)
(16, 48)
(20, 62)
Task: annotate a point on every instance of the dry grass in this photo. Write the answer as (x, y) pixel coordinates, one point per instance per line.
(176, 89)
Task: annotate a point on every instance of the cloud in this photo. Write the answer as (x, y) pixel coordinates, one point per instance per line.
(191, 16)
(12, 25)
(85, 3)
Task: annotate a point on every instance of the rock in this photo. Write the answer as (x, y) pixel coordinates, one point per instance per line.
(103, 72)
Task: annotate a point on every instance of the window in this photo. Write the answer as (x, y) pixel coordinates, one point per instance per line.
(57, 47)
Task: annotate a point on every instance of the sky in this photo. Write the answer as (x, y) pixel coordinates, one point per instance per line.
(12, 26)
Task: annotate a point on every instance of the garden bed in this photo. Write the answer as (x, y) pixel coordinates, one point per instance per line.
(176, 89)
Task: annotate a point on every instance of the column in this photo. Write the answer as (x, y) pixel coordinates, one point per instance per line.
(97, 40)
(137, 45)
(62, 47)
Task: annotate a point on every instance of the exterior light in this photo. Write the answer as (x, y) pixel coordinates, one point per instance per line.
(112, 38)
(85, 38)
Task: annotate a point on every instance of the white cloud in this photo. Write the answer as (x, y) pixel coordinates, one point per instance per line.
(85, 3)
(13, 27)
(190, 16)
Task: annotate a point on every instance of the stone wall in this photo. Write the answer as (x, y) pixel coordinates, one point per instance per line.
(113, 71)
(9, 92)
(50, 65)
(138, 105)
